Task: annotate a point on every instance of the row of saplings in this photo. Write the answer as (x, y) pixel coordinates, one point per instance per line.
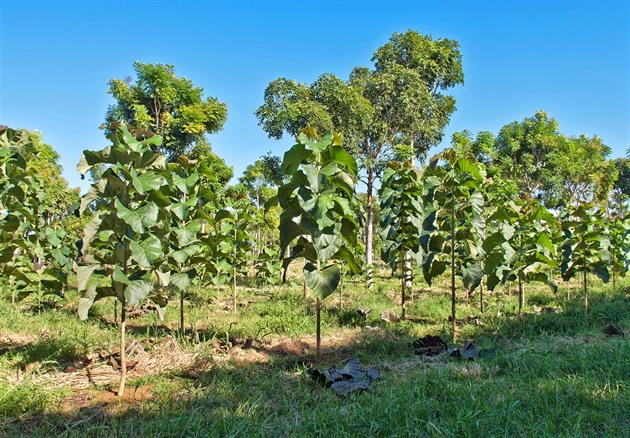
(146, 227)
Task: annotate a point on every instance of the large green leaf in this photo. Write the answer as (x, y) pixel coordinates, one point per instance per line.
(182, 280)
(144, 217)
(146, 251)
(83, 276)
(293, 158)
(136, 291)
(472, 275)
(322, 282)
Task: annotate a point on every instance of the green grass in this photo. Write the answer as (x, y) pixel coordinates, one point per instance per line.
(554, 374)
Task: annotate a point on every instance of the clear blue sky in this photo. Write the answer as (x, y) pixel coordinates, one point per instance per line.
(569, 58)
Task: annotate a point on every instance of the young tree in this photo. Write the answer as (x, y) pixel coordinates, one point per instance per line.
(319, 213)
(619, 235)
(143, 231)
(401, 216)
(169, 106)
(521, 246)
(586, 246)
(453, 204)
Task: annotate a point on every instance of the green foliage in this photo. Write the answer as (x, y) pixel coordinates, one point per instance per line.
(522, 245)
(261, 178)
(401, 212)
(620, 194)
(401, 216)
(145, 227)
(581, 172)
(319, 210)
(454, 202)
(35, 252)
(523, 151)
(454, 224)
(400, 101)
(214, 173)
(170, 106)
(233, 242)
(619, 235)
(586, 246)
(268, 265)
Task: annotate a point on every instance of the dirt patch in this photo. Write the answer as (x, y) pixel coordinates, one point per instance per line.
(104, 402)
(12, 341)
(155, 357)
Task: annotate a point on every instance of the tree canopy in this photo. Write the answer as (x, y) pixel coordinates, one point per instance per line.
(400, 101)
(42, 159)
(170, 106)
(534, 160)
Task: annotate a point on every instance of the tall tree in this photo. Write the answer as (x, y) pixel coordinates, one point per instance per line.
(261, 178)
(169, 106)
(523, 151)
(35, 249)
(400, 100)
(42, 158)
(581, 172)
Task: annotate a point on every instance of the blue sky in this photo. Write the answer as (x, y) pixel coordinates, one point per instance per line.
(569, 58)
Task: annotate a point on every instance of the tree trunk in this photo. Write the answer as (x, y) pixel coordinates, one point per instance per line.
(481, 295)
(369, 227)
(403, 281)
(318, 308)
(521, 296)
(408, 274)
(453, 297)
(123, 352)
(182, 327)
(341, 287)
(234, 288)
(585, 294)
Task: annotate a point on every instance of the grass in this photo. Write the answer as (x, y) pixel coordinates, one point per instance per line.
(553, 374)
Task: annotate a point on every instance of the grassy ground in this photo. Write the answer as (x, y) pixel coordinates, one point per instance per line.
(554, 374)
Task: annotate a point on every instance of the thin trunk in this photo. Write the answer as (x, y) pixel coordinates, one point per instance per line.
(123, 326)
(306, 292)
(341, 288)
(123, 352)
(403, 282)
(585, 293)
(318, 308)
(369, 233)
(481, 295)
(234, 287)
(408, 274)
(521, 296)
(234, 268)
(453, 297)
(568, 290)
(116, 312)
(182, 327)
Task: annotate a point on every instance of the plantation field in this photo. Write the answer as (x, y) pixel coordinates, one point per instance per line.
(556, 373)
